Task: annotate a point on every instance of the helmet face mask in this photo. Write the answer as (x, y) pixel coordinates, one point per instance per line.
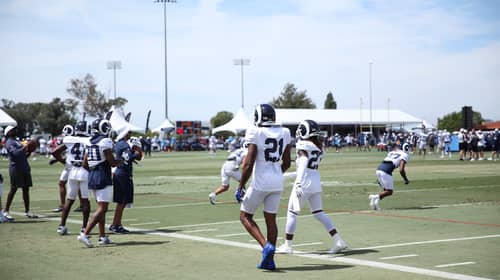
(307, 129)
(81, 128)
(264, 115)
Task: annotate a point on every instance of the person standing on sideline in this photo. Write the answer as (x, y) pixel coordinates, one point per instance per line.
(307, 187)
(230, 169)
(127, 150)
(77, 176)
(397, 158)
(99, 159)
(19, 171)
(3, 219)
(267, 159)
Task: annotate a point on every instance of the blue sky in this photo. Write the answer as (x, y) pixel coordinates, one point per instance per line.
(429, 58)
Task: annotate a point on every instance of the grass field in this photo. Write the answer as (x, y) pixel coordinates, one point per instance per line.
(444, 224)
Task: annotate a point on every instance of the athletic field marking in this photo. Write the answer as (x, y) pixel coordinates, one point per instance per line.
(129, 220)
(454, 264)
(232, 234)
(324, 257)
(143, 224)
(399, 257)
(428, 242)
(170, 205)
(199, 230)
(307, 244)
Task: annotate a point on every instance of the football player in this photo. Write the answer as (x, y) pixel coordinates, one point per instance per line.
(307, 187)
(77, 176)
(67, 130)
(128, 150)
(230, 169)
(99, 159)
(268, 157)
(397, 158)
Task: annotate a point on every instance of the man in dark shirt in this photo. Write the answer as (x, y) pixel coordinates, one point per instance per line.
(19, 172)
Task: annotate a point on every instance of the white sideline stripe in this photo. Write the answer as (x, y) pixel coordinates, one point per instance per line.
(454, 264)
(428, 242)
(307, 244)
(170, 205)
(200, 230)
(128, 220)
(444, 189)
(232, 234)
(331, 258)
(399, 257)
(143, 224)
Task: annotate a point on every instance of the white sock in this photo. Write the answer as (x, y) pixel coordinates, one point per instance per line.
(291, 223)
(288, 243)
(325, 220)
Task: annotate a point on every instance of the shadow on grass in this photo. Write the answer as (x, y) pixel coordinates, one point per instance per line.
(313, 267)
(28, 221)
(415, 208)
(141, 243)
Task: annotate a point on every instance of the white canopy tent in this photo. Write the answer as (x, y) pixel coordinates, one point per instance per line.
(5, 119)
(164, 126)
(239, 123)
(120, 124)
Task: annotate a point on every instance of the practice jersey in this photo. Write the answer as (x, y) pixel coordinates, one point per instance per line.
(271, 142)
(393, 160)
(75, 148)
(234, 159)
(99, 168)
(125, 153)
(308, 175)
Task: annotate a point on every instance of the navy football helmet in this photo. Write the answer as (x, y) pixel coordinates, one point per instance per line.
(307, 129)
(406, 148)
(264, 115)
(101, 126)
(68, 130)
(81, 128)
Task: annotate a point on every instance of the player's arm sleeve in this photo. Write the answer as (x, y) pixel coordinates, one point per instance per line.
(301, 165)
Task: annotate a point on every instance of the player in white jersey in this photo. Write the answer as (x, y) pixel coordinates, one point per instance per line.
(77, 175)
(230, 169)
(307, 187)
(397, 158)
(67, 130)
(267, 158)
(99, 159)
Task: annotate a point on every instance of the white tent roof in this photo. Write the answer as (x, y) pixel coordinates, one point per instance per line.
(165, 125)
(344, 116)
(240, 122)
(119, 124)
(5, 119)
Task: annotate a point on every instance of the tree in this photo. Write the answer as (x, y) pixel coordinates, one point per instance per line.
(330, 102)
(453, 121)
(41, 117)
(221, 118)
(94, 101)
(291, 98)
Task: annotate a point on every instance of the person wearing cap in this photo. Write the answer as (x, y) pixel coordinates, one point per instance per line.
(127, 150)
(19, 172)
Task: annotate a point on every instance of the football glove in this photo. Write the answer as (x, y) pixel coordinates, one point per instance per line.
(239, 194)
(299, 191)
(134, 142)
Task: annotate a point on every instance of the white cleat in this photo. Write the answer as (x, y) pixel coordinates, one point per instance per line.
(85, 240)
(284, 249)
(338, 246)
(211, 197)
(62, 230)
(105, 240)
(372, 197)
(376, 201)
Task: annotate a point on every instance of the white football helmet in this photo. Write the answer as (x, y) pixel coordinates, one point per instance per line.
(307, 129)
(68, 130)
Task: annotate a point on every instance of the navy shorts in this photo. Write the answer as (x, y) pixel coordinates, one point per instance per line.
(123, 189)
(20, 179)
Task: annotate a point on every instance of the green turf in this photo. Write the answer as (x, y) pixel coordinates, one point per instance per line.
(446, 200)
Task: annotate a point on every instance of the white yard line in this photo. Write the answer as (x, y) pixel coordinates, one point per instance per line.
(199, 230)
(307, 244)
(232, 234)
(324, 257)
(143, 224)
(454, 264)
(170, 205)
(399, 257)
(428, 242)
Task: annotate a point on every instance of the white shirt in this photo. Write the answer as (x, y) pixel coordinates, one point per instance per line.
(271, 143)
(308, 176)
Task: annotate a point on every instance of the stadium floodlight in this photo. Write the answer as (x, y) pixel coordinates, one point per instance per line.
(165, 42)
(242, 62)
(114, 64)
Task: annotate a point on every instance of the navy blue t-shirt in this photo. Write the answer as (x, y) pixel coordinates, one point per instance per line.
(125, 153)
(17, 158)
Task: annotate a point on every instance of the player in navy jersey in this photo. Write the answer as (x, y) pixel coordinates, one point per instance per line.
(307, 187)
(99, 159)
(397, 158)
(267, 158)
(127, 150)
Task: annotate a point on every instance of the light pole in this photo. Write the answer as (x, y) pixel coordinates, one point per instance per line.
(165, 40)
(114, 64)
(242, 62)
(370, 87)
